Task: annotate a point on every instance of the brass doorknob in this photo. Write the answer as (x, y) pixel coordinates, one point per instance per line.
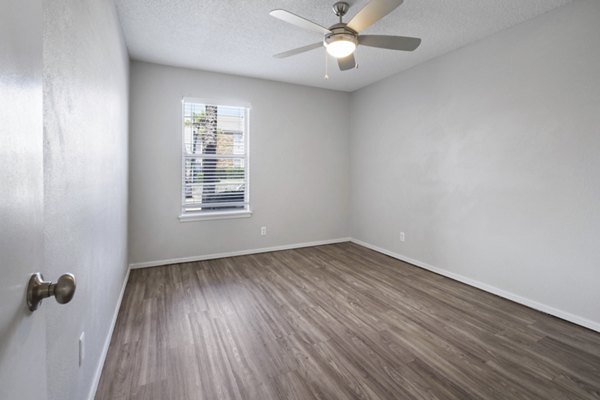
(38, 289)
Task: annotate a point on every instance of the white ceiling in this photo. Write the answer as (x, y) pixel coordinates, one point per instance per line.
(240, 37)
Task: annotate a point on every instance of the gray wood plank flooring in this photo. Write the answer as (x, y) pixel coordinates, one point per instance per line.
(335, 322)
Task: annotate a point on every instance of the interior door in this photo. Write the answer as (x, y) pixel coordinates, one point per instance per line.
(22, 333)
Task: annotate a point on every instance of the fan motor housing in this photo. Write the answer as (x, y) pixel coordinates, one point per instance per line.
(340, 32)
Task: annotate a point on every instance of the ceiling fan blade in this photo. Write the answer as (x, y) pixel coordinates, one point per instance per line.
(294, 19)
(372, 13)
(299, 50)
(390, 42)
(346, 63)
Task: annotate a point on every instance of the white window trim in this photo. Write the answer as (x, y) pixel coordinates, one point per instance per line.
(211, 215)
(215, 215)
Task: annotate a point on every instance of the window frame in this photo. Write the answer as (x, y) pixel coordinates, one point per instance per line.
(218, 214)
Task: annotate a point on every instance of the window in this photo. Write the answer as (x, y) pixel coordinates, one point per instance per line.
(215, 161)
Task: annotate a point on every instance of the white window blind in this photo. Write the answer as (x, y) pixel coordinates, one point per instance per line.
(215, 158)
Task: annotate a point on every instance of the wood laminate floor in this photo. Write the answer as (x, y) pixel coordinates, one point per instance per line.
(335, 322)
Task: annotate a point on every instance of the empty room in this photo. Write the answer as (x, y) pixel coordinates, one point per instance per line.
(277, 199)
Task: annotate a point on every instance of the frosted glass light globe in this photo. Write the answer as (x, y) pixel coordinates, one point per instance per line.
(340, 45)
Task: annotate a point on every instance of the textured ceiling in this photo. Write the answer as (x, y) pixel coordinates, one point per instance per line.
(239, 36)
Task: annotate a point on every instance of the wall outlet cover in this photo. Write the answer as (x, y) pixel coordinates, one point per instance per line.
(81, 348)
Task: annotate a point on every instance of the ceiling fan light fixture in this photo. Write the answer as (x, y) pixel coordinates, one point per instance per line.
(341, 39)
(340, 45)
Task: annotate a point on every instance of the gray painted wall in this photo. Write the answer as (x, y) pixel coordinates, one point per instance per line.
(488, 158)
(299, 161)
(85, 178)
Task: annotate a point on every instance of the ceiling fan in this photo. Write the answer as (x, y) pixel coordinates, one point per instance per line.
(341, 39)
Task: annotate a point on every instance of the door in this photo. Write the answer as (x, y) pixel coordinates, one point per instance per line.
(22, 333)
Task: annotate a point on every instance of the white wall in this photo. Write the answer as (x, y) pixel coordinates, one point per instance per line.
(489, 159)
(299, 160)
(85, 178)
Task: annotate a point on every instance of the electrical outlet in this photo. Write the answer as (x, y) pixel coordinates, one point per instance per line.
(263, 231)
(402, 237)
(81, 348)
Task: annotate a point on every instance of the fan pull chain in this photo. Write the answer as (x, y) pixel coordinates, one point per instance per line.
(326, 66)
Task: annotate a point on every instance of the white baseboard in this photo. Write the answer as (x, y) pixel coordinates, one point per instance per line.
(98, 373)
(235, 253)
(488, 288)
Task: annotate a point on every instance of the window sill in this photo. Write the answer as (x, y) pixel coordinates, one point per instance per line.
(207, 216)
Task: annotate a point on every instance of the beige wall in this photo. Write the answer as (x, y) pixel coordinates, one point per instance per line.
(488, 159)
(85, 183)
(299, 162)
